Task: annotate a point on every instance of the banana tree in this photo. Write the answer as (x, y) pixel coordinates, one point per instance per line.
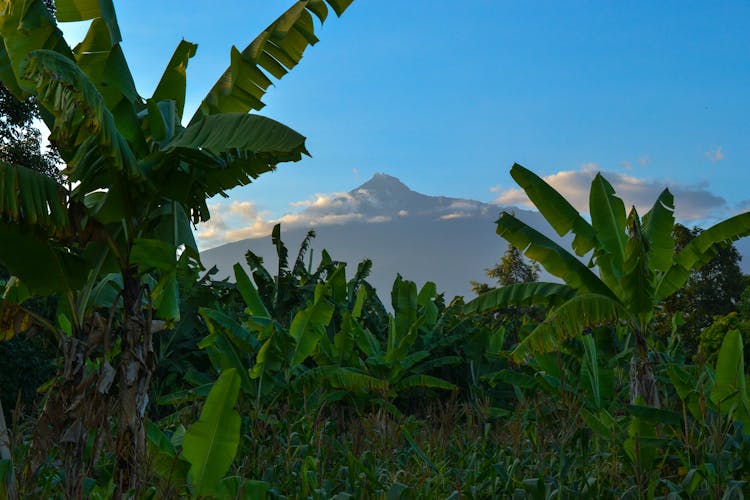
(135, 179)
(636, 262)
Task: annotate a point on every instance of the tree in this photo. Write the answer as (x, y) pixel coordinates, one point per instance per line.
(511, 270)
(20, 140)
(136, 179)
(711, 291)
(636, 261)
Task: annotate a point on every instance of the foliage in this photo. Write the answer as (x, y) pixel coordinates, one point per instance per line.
(358, 407)
(635, 258)
(27, 364)
(713, 290)
(20, 140)
(210, 444)
(301, 382)
(711, 338)
(119, 219)
(511, 270)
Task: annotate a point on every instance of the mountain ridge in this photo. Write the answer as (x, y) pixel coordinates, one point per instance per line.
(450, 241)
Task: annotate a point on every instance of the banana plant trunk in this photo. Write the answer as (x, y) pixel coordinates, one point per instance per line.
(135, 370)
(92, 399)
(643, 386)
(76, 412)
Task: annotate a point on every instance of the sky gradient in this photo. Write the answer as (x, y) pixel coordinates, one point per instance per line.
(446, 96)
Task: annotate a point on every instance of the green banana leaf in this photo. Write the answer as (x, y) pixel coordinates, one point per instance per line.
(275, 51)
(700, 251)
(225, 151)
(150, 254)
(307, 327)
(163, 455)
(404, 302)
(657, 227)
(521, 294)
(42, 266)
(224, 350)
(166, 298)
(421, 380)
(730, 389)
(569, 321)
(33, 199)
(210, 444)
(238, 131)
(25, 27)
(340, 377)
(171, 224)
(172, 85)
(249, 293)
(104, 64)
(637, 278)
(608, 220)
(556, 260)
(84, 129)
(83, 10)
(590, 367)
(235, 332)
(555, 208)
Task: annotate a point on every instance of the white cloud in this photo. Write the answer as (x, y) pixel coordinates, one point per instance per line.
(221, 227)
(692, 201)
(242, 219)
(245, 209)
(454, 215)
(326, 201)
(403, 213)
(464, 205)
(379, 219)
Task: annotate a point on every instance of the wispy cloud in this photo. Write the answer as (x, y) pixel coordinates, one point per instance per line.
(716, 155)
(692, 201)
(454, 215)
(380, 218)
(242, 219)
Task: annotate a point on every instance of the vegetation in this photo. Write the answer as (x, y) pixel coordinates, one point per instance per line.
(300, 382)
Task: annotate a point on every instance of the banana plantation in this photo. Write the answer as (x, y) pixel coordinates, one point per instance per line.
(128, 370)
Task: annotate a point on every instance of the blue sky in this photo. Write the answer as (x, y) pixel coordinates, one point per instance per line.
(447, 95)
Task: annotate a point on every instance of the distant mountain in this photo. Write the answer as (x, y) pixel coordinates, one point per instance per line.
(450, 241)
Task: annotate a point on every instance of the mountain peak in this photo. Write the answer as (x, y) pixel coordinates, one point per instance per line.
(384, 183)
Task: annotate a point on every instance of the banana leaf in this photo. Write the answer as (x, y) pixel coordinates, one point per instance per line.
(521, 294)
(274, 52)
(556, 209)
(210, 444)
(556, 260)
(569, 321)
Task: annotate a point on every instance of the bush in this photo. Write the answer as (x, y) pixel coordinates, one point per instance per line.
(710, 338)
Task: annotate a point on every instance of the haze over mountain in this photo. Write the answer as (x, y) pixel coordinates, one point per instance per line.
(424, 238)
(450, 241)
